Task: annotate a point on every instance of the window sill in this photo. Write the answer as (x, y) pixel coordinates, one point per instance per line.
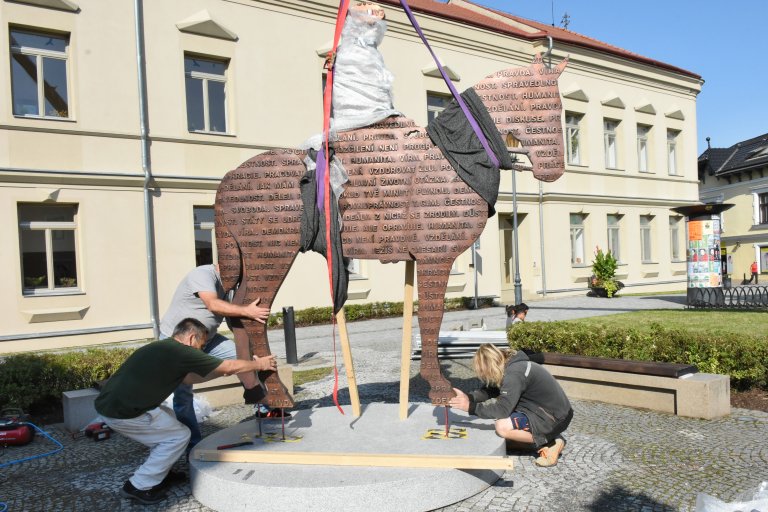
(646, 172)
(583, 166)
(679, 261)
(615, 169)
(47, 118)
(649, 262)
(217, 134)
(52, 293)
(675, 175)
(55, 315)
(579, 265)
(357, 277)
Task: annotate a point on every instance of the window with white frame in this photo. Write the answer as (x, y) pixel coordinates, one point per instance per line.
(577, 238)
(355, 269)
(39, 74)
(572, 138)
(614, 242)
(205, 81)
(48, 243)
(436, 103)
(672, 136)
(643, 148)
(762, 208)
(205, 235)
(646, 249)
(610, 128)
(674, 238)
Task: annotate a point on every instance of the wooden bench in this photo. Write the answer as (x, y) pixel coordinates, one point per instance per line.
(674, 388)
(672, 370)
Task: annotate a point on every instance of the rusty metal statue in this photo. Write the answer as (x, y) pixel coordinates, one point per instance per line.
(404, 201)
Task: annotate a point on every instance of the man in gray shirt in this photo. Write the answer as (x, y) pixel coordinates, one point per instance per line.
(200, 295)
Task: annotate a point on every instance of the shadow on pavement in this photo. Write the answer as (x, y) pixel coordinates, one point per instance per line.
(618, 498)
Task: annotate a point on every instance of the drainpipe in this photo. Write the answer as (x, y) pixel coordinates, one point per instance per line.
(541, 240)
(146, 165)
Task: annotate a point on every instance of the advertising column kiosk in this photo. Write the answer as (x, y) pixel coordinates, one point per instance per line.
(705, 276)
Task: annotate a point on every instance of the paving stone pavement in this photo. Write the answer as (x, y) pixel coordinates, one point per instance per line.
(617, 458)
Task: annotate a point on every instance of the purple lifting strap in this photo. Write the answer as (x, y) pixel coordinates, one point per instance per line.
(448, 82)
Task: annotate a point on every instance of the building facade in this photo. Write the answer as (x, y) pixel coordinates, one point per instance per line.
(738, 175)
(118, 119)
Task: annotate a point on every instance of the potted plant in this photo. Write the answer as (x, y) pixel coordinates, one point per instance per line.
(603, 282)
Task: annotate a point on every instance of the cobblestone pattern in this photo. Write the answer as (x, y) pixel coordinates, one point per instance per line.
(617, 458)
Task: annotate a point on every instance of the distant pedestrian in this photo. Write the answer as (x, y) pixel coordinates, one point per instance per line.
(510, 309)
(753, 268)
(521, 310)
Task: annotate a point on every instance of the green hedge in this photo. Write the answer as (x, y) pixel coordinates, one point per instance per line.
(31, 380)
(27, 380)
(352, 312)
(744, 358)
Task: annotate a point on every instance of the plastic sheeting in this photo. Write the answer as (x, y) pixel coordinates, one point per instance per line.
(362, 84)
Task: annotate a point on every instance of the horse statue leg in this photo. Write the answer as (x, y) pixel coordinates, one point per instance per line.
(432, 282)
(258, 234)
(251, 339)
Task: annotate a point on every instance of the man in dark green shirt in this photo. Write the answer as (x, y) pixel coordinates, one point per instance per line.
(130, 402)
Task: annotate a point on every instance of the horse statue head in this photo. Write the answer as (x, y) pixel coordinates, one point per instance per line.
(525, 105)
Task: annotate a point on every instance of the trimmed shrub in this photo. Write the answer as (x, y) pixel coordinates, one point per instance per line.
(744, 358)
(29, 379)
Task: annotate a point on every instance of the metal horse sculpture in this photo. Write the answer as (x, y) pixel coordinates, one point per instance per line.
(404, 201)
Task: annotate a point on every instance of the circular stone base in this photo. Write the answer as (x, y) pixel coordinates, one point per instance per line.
(229, 486)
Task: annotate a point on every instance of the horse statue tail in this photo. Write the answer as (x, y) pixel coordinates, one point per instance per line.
(228, 249)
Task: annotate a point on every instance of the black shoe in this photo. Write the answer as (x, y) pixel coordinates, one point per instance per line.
(148, 497)
(253, 395)
(171, 479)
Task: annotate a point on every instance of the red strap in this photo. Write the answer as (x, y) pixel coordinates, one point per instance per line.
(340, 18)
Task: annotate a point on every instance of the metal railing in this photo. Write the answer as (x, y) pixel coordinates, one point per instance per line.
(738, 297)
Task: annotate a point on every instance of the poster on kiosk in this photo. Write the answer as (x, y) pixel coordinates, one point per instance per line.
(704, 253)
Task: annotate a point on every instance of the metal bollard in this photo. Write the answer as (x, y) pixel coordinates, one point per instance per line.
(289, 327)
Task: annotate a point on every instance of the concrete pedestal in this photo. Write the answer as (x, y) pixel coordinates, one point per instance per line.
(78, 408)
(227, 486)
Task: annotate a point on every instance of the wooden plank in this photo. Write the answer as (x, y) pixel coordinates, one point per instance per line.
(405, 354)
(672, 370)
(356, 459)
(346, 352)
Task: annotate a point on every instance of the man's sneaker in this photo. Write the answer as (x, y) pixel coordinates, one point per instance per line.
(148, 497)
(171, 479)
(548, 454)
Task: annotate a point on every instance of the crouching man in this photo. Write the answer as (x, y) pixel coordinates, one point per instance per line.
(130, 402)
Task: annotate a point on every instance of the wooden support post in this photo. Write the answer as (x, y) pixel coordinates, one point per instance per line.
(356, 459)
(347, 354)
(405, 356)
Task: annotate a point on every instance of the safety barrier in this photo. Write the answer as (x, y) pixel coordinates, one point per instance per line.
(739, 297)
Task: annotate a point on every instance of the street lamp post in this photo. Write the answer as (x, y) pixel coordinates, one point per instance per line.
(518, 283)
(512, 146)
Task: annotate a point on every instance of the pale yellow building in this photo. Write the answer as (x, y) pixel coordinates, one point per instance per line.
(738, 175)
(106, 209)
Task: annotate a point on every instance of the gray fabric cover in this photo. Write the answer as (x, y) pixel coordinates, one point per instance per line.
(313, 236)
(453, 134)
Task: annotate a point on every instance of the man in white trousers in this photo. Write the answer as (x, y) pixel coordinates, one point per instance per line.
(130, 401)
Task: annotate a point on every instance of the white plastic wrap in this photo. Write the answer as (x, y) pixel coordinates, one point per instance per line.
(748, 502)
(362, 84)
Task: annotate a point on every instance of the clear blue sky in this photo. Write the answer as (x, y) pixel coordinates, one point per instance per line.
(724, 42)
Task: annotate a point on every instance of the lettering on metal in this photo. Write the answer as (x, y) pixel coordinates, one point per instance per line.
(403, 201)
